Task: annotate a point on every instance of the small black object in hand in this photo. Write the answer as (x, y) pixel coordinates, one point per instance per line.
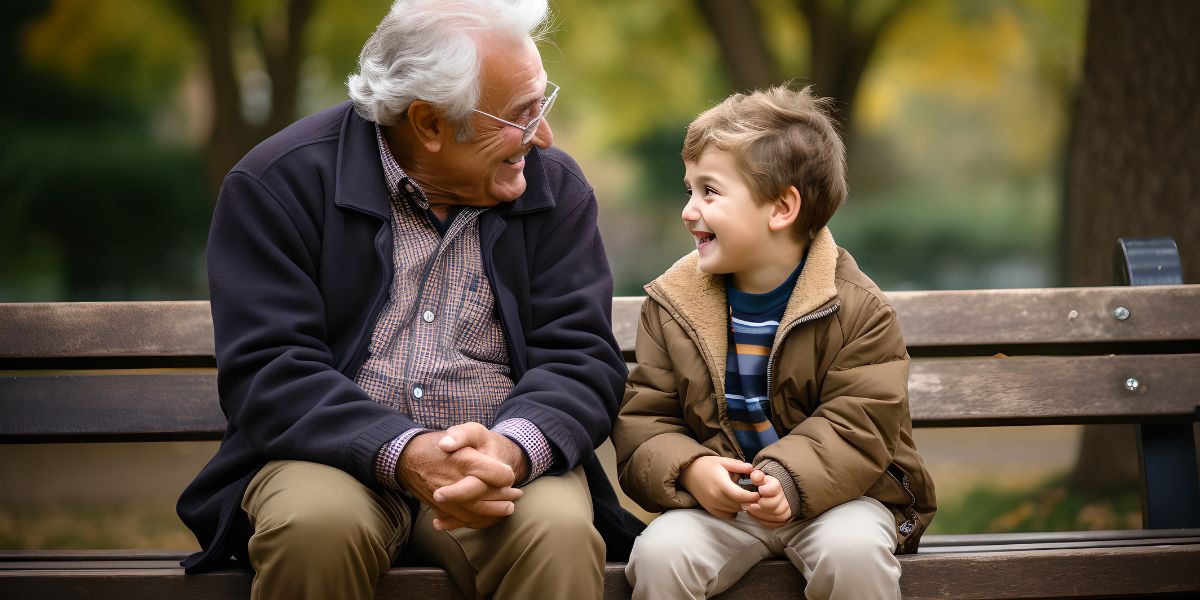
(747, 484)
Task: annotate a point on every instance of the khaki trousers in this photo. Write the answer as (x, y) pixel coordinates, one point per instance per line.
(320, 533)
(844, 553)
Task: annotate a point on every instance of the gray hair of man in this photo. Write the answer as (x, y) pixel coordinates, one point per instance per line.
(427, 50)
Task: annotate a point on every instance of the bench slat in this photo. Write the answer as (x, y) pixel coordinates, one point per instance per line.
(929, 319)
(84, 408)
(105, 329)
(943, 392)
(1053, 390)
(1069, 573)
(1018, 317)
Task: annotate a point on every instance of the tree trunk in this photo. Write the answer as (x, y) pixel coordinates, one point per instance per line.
(1133, 170)
(280, 42)
(840, 47)
(737, 27)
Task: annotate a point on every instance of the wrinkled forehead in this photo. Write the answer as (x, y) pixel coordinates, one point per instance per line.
(511, 72)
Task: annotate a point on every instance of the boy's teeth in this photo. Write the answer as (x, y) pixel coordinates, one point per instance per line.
(512, 160)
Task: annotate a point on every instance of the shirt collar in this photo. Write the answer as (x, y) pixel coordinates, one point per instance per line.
(399, 184)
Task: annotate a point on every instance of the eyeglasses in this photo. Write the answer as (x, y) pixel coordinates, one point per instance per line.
(530, 128)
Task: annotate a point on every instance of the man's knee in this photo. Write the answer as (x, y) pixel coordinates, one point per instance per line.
(562, 535)
(342, 519)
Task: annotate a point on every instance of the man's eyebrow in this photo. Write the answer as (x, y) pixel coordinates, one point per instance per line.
(521, 108)
(523, 104)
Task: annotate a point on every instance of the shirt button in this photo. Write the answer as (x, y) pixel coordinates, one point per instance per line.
(418, 392)
(428, 316)
(409, 188)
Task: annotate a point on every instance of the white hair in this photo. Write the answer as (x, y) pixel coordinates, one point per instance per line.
(426, 50)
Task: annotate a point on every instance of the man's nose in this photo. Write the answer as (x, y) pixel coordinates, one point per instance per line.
(543, 137)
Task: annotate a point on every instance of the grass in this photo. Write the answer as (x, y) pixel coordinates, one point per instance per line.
(1047, 506)
(100, 527)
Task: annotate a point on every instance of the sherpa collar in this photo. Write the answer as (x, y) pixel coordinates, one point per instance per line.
(698, 298)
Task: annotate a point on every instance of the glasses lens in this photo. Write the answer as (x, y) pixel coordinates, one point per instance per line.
(532, 127)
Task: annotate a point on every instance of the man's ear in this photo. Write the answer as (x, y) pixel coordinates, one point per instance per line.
(785, 209)
(427, 124)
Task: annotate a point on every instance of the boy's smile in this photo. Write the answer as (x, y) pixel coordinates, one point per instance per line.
(703, 238)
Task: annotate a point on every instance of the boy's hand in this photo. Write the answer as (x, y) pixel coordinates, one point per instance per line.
(772, 509)
(711, 480)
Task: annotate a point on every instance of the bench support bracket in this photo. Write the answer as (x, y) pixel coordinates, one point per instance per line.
(1167, 451)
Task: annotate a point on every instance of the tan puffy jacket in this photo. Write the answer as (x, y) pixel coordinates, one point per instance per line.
(838, 380)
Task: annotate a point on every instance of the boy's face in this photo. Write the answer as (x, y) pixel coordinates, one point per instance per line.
(730, 228)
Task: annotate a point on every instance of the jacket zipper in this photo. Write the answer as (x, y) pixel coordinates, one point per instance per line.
(813, 316)
(909, 525)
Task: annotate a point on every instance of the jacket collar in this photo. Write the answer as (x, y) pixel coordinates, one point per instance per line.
(359, 181)
(698, 298)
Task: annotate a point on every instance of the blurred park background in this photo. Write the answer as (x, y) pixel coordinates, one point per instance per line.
(992, 144)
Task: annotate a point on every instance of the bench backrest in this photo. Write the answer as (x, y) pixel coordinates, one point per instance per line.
(145, 370)
(125, 371)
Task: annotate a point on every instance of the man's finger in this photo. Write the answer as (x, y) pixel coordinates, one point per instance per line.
(489, 470)
(447, 523)
(470, 489)
(464, 435)
(493, 508)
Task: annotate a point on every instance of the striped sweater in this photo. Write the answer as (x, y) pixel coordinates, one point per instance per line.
(753, 320)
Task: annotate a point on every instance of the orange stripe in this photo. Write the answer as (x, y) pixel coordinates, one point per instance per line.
(752, 349)
(744, 426)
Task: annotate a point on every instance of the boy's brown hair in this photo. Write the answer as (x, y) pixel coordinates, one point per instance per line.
(779, 137)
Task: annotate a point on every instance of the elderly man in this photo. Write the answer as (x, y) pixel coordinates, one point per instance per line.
(411, 306)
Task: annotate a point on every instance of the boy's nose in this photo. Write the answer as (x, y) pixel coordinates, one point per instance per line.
(690, 212)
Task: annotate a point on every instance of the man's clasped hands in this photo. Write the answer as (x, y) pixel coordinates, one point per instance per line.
(467, 474)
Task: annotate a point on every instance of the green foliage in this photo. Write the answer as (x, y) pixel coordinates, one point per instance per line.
(102, 214)
(995, 236)
(135, 53)
(1048, 506)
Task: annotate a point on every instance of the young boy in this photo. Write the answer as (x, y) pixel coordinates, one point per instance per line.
(766, 354)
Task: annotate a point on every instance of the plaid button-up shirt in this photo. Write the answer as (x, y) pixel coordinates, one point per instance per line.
(438, 352)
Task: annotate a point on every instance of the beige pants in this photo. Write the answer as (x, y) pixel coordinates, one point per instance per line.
(320, 533)
(844, 553)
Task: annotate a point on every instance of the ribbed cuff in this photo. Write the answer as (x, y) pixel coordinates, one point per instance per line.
(791, 492)
(531, 439)
(389, 457)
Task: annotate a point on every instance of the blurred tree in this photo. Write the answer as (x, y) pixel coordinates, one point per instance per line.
(278, 33)
(842, 36)
(95, 207)
(1133, 169)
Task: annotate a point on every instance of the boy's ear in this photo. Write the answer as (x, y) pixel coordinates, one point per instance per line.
(785, 209)
(427, 124)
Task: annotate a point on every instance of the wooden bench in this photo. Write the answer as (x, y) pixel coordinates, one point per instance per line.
(144, 371)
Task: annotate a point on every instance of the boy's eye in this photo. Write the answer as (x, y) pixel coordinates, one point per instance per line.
(709, 191)
(687, 193)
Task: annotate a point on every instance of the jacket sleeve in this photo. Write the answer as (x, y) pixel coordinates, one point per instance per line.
(652, 439)
(842, 449)
(574, 369)
(277, 385)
